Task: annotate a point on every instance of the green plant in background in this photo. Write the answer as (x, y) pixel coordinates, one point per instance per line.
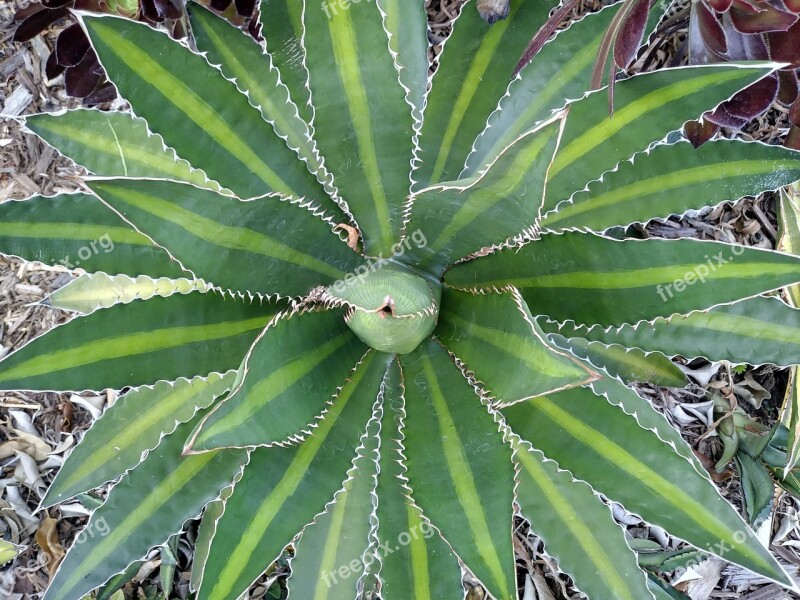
(391, 397)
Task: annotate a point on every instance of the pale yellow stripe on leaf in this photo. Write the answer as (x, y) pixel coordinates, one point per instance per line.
(419, 556)
(463, 480)
(328, 564)
(72, 231)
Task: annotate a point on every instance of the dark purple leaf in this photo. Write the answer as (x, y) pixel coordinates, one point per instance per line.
(105, 92)
(52, 69)
(741, 46)
(794, 113)
(220, 5)
(56, 3)
(722, 117)
(631, 33)
(82, 79)
(245, 7)
(789, 87)
(784, 46)
(793, 139)
(710, 28)
(792, 5)
(71, 46)
(747, 104)
(720, 5)
(538, 40)
(699, 132)
(159, 11)
(766, 18)
(37, 22)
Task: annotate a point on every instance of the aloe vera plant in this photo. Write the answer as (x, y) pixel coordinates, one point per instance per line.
(371, 319)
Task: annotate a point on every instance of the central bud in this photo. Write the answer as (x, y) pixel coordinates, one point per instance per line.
(390, 307)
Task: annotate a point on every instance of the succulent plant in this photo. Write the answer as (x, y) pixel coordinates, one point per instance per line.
(373, 319)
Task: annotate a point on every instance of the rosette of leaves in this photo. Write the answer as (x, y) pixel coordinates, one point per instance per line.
(73, 55)
(372, 318)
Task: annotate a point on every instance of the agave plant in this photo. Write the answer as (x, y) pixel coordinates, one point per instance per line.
(373, 319)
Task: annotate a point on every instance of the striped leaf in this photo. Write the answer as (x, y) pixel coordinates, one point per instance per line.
(283, 488)
(461, 217)
(113, 144)
(363, 124)
(332, 555)
(497, 339)
(90, 292)
(459, 467)
(596, 280)
(646, 108)
(143, 510)
(475, 68)
(269, 245)
(647, 416)
(241, 59)
(582, 433)
(198, 112)
(292, 370)
(407, 24)
(629, 364)
(755, 331)
(78, 231)
(134, 425)
(138, 344)
(671, 179)
(415, 563)
(560, 71)
(594, 551)
(282, 27)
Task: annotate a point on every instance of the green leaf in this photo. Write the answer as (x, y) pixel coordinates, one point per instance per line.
(197, 112)
(332, 554)
(596, 280)
(269, 245)
(407, 25)
(415, 562)
(577, 529)
(600, 444)
(77, 230)
(143, 510)
(134, 425)
(8, 552)
(363, 124)
(789, 223)
(647, 416)
(629, 364)
(462, 217)
(497, 339)
(282, 27)
(459, 466)
(561, 70)
(114, 144)
(646, 108)
(754, 331)
(292, 370)
(139, 343)
(243, 60)
(90, 292)
(475, 68)
(757, 487)
(283, 488)
(667, 179)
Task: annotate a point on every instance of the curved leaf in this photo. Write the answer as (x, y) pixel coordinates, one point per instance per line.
(134, 425)
(283, 488)
(114, 144)
(142, 511)
(269, 245)
(560, 71)
(475, 67)
(671, 179)
(594, 551)
(646, 108)
(363, 124)
(292, 370)
(77, 230)
(462, 217)
(198, 113)
(591, 279)
(415, 563)
(497, 339)
(138, 343)
(459, 466)
(600, 444)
